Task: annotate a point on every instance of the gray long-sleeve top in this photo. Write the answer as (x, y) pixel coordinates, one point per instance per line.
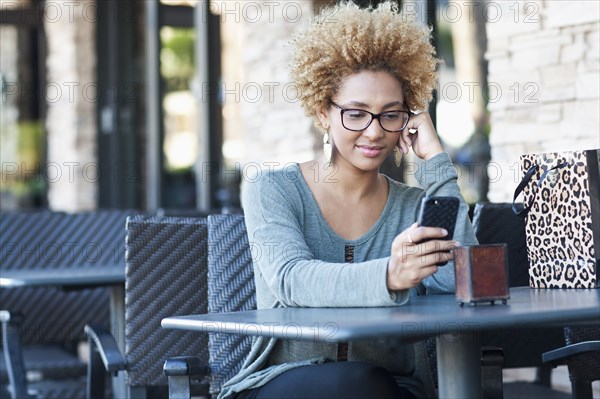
(300, 261)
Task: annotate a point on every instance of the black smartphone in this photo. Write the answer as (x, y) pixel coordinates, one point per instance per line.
(439, 212)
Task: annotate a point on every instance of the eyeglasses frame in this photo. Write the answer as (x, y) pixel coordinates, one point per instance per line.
(373, 117)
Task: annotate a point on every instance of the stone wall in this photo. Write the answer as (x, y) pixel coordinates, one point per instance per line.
(544, 70)
(72, 170)
(274, 127)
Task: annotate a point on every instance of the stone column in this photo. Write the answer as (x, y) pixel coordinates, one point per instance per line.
(71, 95)
(9, 111)
(275, 128)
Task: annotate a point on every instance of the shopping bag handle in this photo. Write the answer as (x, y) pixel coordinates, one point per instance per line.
(525, 181)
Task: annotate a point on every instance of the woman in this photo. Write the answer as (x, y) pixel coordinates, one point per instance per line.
(336, 232)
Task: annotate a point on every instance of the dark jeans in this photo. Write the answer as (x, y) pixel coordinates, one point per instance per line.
(345, 380)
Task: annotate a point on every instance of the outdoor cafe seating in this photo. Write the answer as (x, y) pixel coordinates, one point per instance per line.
(191, 265)
(42, 322)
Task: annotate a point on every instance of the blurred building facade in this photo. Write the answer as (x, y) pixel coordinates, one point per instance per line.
(169, 104)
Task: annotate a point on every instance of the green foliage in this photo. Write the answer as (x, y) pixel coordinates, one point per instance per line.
(177, 57)
(31, 142)
(26, 184)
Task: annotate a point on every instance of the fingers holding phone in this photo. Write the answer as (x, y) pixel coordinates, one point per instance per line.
(416, 234)
(418, 251)
(416, 254)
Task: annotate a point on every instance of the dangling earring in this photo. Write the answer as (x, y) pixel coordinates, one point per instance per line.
(327, 148)
(397, 156)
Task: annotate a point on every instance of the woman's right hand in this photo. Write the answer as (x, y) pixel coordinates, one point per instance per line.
(415, 254)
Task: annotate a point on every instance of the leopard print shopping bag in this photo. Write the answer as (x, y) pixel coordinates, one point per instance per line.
(561, 193)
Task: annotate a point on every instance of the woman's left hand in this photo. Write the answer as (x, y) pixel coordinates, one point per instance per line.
(424, 141)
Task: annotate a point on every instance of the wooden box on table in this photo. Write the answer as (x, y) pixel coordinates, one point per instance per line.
(481, 273)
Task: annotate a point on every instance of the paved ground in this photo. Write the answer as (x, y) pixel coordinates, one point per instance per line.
(560, 382)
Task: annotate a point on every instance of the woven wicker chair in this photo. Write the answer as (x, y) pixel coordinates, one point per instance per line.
(165, 275)
(43, 326)
(230, 288)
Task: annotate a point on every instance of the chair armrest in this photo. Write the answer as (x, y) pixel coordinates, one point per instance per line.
(561, 355)
(492, 356)
(179, 371)
(107, 347)
(185, 365)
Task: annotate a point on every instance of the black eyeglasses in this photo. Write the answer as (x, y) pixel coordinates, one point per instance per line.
(359, 119)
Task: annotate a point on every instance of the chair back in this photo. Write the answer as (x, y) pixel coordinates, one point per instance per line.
(231, 288)
(166, 261)
(495, 223)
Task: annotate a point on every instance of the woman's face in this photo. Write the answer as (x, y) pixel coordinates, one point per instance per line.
(370, 91)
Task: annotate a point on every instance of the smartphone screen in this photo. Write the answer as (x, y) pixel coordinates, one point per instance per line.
(439, 212)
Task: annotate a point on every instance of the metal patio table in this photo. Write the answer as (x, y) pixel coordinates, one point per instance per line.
(456, 327)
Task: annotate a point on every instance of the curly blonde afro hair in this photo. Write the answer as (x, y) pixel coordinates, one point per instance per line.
(346, 39)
